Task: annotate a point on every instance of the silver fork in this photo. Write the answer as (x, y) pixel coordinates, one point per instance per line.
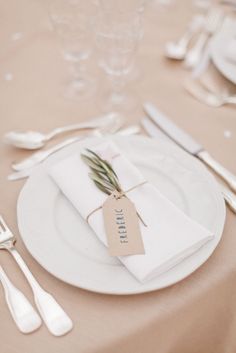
(55, 318)
(212, 22)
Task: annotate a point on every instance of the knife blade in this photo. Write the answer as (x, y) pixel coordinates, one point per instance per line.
(171, 130)
(152, 130)
(188, 143)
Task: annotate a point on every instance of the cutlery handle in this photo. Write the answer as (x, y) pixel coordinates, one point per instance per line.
(40, 156)
(226, 175)
(130, 130)
(231, 99)
(58, 147)
(56, 320)
(91, 124)
(24, 315)
(185, 39)
(194, 54)
(194, 27)
(20, 175)
(229, 197)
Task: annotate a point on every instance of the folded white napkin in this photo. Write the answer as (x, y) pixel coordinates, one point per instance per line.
(170, 236)
(231, 51)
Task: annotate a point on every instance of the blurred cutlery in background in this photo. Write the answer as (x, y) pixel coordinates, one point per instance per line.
(202, 94)
(212, 22)
(228, 2)
(203, 63)
(178, 49)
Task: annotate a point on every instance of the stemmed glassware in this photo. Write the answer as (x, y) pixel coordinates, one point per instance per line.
(117, 37)
(122, 5)
(71, 20)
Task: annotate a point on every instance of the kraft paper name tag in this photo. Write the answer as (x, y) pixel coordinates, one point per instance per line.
(122, 226)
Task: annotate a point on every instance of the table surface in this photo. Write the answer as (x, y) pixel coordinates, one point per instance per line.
(196, 315)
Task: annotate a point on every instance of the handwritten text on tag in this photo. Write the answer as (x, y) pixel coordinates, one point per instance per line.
(122, 226)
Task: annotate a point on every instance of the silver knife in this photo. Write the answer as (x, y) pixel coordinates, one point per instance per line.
(189, 144)
(153, 131)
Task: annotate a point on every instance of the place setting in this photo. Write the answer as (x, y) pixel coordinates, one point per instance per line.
(113, 206)
(208, 41)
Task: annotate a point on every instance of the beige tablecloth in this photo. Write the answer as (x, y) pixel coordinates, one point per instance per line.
(197, 315)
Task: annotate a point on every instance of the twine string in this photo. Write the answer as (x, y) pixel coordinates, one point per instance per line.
(119, 196)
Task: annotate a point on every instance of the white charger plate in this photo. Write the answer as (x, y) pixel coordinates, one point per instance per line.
(219, 46)
(62, 242)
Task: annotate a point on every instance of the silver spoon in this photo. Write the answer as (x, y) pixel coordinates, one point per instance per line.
(178, 49)
(212, 22)
(198, 91)
(32, 140)
(40, 156)
(25, 173)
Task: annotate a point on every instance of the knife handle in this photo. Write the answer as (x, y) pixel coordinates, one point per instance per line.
(225, 174)
(229, 197)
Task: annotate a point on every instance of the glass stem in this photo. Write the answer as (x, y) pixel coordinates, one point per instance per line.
(118, 84)
(76, 70)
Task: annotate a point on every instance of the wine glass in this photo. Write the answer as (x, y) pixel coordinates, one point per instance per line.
(202, 4)
(117, 38)
(71, 20)
(122, 5)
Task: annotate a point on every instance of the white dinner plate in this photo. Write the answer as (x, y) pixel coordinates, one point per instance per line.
(62, 242)
(219, 48)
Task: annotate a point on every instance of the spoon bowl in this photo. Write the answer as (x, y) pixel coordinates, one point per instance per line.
(27, 140)
(175, 51)
(33, 140)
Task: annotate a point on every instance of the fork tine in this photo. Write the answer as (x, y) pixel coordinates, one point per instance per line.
(3, 225)
(2, 228)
